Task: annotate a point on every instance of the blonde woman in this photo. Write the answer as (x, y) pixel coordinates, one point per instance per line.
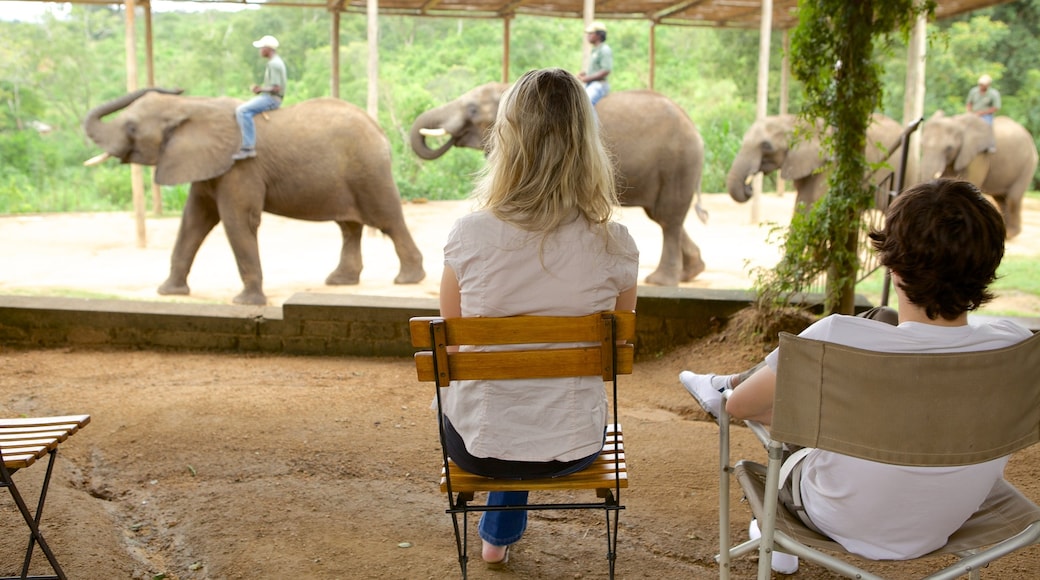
(541, 243)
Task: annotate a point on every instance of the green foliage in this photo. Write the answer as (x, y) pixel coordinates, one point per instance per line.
(833, 54)
(56, 70)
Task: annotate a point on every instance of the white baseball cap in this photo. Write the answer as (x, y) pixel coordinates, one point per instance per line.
(267, 42)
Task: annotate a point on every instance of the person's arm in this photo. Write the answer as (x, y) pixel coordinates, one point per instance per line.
(451, 296)
(752, 399)
(626, 301)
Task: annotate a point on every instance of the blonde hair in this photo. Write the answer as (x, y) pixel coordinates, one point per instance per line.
(546, 160)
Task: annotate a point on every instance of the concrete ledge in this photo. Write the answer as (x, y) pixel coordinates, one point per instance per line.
(319, 324)
(309, 324)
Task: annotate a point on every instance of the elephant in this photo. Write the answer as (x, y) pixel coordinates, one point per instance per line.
(961, 146)
(321, 159)
(786, 143)
(659, 153)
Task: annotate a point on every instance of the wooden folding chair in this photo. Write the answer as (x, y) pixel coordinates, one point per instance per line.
(607, 352)
(22, 442)
(936, 409)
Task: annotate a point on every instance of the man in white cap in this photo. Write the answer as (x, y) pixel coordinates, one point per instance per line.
(601, 61)
(268, 96)
(983, 100)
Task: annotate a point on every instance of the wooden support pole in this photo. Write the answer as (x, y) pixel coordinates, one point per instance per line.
(373, 59)
(785, 89)
(334, 41)
(506, 40)
(149, 52)
(653, 53)
(136, 172)
(762, 101)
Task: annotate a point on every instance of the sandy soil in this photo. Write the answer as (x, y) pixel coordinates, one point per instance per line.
(244, 466)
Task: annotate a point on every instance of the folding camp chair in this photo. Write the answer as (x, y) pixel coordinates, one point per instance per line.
(904, 409)
(606, 351)
(22, 442)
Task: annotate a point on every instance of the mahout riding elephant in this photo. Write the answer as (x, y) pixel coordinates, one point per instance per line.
(660, 157)
(787, 143)
(961, 146)
(319, 160)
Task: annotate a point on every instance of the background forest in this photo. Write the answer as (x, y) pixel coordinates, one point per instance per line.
(58, 68)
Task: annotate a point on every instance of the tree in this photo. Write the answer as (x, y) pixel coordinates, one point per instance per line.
(833, 55)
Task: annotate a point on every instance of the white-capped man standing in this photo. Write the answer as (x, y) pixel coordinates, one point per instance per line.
(601, 61)
(268, 96)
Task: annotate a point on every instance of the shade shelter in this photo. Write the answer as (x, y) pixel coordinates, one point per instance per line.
(766, 15)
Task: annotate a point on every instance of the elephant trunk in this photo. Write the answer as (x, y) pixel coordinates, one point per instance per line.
(738, 181)
(430, 124)
(110, 137)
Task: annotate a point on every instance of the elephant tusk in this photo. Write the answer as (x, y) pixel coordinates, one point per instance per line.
(96, 160)
(433, 132)
(937, 175)
(749, 178)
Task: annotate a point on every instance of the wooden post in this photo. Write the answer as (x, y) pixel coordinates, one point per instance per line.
(785, 81)
(762, 101)
(653, 53)
(506, 28)
(150, 67)
(913, 98)
(334, 41)
(136, 173)
(373, 59)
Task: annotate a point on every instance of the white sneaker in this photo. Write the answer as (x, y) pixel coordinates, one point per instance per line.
(702, 389)
(782, 562)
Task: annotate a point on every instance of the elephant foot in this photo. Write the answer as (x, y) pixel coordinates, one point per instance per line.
(411, 276)
(1012, 232)
(691, 271)
(342, 279)
(250, 298)
(659, 278)
(169, 288)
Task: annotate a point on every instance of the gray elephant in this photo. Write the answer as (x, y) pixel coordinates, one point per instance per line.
(322, 159)
(785, 142)
(660, 157)
(961, 146)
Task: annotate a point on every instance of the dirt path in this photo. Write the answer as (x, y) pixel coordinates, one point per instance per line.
(224, 466)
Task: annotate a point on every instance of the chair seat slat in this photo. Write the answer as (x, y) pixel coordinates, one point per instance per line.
(503, 365)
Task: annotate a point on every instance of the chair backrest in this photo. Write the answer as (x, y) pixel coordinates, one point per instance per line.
(552, 351)
(931, 409)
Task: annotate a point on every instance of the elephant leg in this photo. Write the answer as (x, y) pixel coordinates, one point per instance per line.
(241, 223)
(411, 271)
(349, 269)
(672, 258)
(691, 258)
(1011, 208)
(198, 220)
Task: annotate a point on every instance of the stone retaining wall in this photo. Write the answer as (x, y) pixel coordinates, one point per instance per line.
(309, 324)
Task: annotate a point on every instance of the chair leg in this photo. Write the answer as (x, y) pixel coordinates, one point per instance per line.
(612, 535)
(461, 538)
(35, 537)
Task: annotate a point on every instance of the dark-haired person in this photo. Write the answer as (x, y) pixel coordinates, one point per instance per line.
(601, 61)
(942, 242)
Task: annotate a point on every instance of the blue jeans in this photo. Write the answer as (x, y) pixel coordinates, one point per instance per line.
(596, 91)
(246, 111)
(502, 528)
(507, 527)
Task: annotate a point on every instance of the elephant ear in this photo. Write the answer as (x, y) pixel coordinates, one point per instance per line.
(802, 159)
(199, 143)
(978, 138)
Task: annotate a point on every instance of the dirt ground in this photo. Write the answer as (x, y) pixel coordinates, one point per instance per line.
(256, 466)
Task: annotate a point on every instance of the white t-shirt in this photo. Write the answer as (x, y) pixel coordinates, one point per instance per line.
(891, 512)
(505, 271)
